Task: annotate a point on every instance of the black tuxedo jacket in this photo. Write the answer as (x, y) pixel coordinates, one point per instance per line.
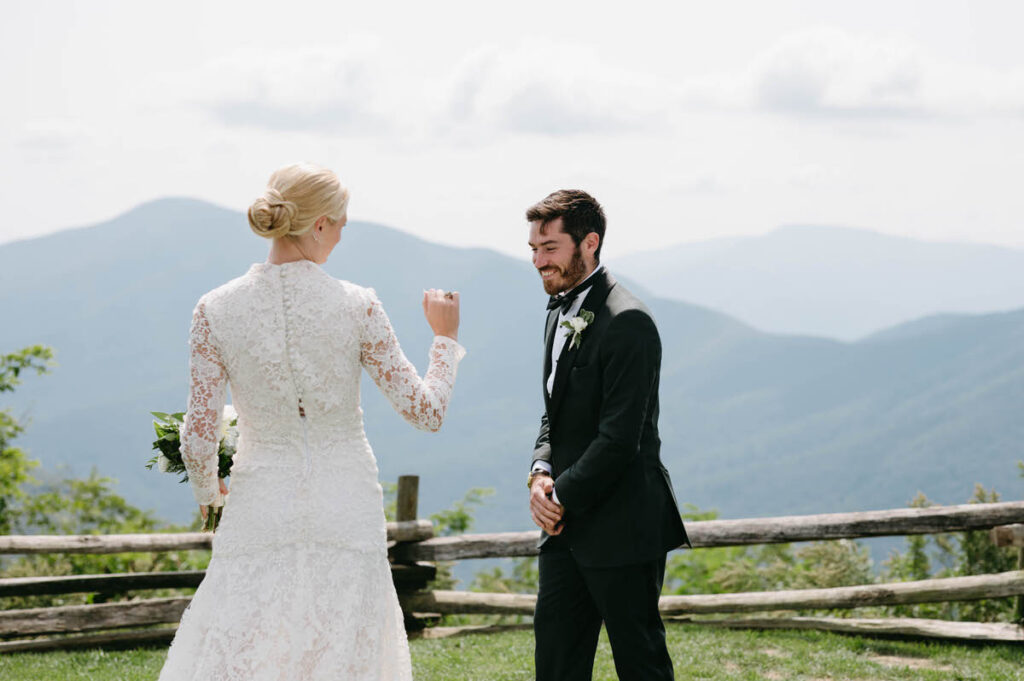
(599, 432)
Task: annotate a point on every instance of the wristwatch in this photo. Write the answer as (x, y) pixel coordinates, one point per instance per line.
(533, 475)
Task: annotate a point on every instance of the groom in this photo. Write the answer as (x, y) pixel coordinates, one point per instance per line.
(598, 489)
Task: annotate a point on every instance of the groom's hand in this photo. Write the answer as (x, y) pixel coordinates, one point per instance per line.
(547, 515)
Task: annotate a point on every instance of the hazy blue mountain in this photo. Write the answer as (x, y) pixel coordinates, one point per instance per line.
(752, 423)
(833, 282)
(116, 300)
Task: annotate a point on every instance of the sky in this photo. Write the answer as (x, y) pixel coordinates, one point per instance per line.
(687, 120)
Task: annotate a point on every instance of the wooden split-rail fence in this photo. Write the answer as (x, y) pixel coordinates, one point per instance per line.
(414, 552)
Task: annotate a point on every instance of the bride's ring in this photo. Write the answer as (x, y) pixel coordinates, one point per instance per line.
(449, 295)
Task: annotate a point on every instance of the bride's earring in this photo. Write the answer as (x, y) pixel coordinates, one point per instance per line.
(315, 237)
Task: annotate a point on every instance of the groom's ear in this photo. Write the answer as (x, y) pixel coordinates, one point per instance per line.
(590, 243)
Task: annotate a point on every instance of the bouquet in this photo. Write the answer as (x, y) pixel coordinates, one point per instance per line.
(168, 446)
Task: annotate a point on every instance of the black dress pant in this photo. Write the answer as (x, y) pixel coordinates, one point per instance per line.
(572, 603)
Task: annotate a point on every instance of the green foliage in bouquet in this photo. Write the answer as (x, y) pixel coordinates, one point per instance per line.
(168, 446)
(168, 459)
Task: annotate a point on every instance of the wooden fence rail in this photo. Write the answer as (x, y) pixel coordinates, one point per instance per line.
(404, 576)
(899, 593)
(107, 584)
(417, 542)
(407, 531)
(972, 588)
(780, 530)
(161, 636)
(75, 618)
(902, 627)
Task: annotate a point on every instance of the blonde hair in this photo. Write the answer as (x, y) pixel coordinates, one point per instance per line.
(296, 196)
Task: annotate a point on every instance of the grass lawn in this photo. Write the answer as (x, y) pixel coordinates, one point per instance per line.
(698, 653)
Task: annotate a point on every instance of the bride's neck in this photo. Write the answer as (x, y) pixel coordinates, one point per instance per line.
(284, 250)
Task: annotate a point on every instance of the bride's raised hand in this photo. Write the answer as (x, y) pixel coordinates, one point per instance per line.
(441, 308)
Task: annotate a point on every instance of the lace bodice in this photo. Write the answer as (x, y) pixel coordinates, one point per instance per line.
(292, 341)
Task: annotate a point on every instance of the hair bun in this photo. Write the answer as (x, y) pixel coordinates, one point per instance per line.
(313, 192)
(271, 215)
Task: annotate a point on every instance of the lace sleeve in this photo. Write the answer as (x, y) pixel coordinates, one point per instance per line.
(200, 435)
(421, 402)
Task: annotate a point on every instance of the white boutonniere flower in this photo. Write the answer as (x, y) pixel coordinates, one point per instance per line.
(576, 326)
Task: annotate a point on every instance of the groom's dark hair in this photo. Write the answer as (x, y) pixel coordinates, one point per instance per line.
(580, 212)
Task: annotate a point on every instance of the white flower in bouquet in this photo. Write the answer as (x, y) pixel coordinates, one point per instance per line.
(163, 464)
(227, 416)
(229, 428)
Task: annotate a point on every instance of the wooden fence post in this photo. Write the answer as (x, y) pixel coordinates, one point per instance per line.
(1012, 535)
(411, 577)
(1019, 615)
(408, 497)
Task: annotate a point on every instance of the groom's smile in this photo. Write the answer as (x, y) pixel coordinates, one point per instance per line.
(558, 259)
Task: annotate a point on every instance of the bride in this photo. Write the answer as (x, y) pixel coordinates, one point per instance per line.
(299, 585)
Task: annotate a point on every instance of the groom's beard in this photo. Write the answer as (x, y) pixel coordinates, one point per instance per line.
(567, 276)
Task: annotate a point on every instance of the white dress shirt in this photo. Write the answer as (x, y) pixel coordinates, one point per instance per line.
(556, 351)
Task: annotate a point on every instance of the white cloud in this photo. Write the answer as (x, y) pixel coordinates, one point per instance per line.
(54, 136)
(531, 88)
(828, 72)
(320, 89)
(546, 89)
(559, 90)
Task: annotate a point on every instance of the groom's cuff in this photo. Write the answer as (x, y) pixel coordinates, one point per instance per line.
(540, 466)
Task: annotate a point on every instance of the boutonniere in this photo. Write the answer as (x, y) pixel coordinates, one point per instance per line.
(576, 326)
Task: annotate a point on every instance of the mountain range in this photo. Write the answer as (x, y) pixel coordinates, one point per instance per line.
(753, 423)
(830, 281)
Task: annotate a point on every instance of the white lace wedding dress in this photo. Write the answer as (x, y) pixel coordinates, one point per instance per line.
(299, 586)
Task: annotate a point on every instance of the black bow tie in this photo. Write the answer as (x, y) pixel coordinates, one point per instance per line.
(565, 300)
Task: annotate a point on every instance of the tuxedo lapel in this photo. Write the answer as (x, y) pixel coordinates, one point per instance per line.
(594, 302)
(561, 372)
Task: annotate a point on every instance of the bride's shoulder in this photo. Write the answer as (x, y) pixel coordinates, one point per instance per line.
(355, 292)
(228, 292)
(359, 301)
